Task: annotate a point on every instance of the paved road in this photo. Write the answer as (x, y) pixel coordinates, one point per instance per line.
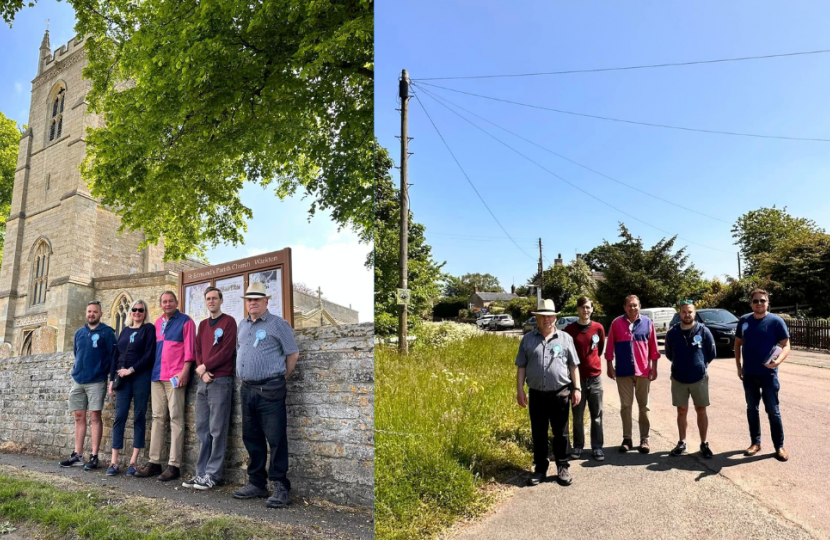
(657, 496)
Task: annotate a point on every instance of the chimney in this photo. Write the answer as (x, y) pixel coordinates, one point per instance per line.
(579, 256)
(512, 289)
(558, 260)
(476, 287)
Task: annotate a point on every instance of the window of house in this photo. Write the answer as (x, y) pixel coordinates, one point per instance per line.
(40, 273)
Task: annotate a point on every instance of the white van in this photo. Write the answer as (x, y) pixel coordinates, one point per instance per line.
(661, 317)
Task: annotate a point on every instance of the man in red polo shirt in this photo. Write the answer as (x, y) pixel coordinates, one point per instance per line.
(589, 342)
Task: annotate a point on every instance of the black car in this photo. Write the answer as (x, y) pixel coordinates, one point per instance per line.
(720, 322)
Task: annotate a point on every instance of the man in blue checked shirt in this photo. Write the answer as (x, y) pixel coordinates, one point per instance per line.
(266, 355)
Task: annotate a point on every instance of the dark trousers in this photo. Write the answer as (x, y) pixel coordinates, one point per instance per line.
(756, 388)
(213, 412)
(136, 387)
(549, 409)
(592, 396)
(264, 425)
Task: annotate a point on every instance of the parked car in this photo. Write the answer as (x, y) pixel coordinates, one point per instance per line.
(562, 322)
(482, 321)
(500, 322)
(529, 325)
(721, 323)
(661, 317)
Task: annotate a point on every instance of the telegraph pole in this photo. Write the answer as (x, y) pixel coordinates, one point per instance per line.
(541, 276)
(403, 88)
(739, 266)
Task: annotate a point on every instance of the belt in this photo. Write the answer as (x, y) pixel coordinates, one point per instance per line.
(263, 382)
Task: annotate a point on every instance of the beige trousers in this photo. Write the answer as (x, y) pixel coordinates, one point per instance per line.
(167, 399)
(629, 387)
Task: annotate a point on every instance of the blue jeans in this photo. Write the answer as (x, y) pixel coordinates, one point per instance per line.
(135, 387)
(756, 388)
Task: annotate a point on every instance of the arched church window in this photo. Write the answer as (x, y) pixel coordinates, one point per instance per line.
(121, 313)
(40, 273)
(57, 99)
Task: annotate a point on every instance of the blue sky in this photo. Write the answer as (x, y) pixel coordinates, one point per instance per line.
(722, 176)
(317, 246)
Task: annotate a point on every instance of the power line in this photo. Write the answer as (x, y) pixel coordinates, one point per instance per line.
(572, 161)
(468, 178)
(635, 122)
(565, 180)
(482, 237)
(627, 68)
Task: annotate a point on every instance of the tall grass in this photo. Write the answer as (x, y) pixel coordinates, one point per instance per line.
(447, 422)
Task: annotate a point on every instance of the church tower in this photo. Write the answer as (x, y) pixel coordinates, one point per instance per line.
(59, 239)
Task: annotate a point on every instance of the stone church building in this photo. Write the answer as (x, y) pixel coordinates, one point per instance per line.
(62, 248)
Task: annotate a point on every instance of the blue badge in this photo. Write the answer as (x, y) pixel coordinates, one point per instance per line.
(132, 337)
(557, 349)
(260, 335)
(745, 326)
(216, 335)
(594, 341)
(95, 338)
(698, 340)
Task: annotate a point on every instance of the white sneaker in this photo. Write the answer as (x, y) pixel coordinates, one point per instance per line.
(192, 482)
(204, 483)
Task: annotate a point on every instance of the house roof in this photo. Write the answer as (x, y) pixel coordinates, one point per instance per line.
(493, 296)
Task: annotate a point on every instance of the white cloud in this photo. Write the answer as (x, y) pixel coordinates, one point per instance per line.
(18, 87)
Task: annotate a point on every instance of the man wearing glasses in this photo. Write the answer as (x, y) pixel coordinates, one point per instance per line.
(266, 355)
(690, 348)
(762, 342)
(94, 346)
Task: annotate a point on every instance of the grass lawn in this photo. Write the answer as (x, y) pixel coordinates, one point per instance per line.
(62, 508)
(447, 425)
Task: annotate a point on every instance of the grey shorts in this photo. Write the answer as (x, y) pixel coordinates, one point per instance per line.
(89, 397)
(699, 391)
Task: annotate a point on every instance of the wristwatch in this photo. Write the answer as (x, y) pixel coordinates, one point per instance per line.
(575, 389)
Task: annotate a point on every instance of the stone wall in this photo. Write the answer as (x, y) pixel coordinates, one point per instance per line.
(307, 302)
(330, 415)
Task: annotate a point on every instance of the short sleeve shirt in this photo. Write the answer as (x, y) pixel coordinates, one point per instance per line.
(547, 362)
(262, 346)
(759, 337)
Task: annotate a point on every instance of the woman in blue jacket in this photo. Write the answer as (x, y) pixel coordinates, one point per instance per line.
(134, 357)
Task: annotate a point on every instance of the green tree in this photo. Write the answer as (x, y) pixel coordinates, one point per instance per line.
(200, 97)
(659, 276)
(759, 232)
(9, 145)
(558, 285)
(801, 266)
(424, 273)
(466, 284)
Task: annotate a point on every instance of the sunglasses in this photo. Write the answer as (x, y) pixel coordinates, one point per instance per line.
(94, 303)
(759, 300)
(137, 310)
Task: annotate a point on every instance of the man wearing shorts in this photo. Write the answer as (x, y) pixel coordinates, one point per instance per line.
(94, 353)
(690, 348)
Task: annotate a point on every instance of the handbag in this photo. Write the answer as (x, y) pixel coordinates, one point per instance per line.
(117, 382)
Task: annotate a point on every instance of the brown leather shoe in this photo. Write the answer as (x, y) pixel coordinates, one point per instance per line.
(171, 473)
(752, 450)
(626, 445)
(151, 469)
(644, 447)
(781, 455)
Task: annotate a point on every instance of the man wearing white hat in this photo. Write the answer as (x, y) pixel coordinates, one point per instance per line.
(266, 355)
(547, 361)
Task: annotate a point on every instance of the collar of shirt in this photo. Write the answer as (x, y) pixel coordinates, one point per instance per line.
(555, 334)
(173, 316)
(263, 318)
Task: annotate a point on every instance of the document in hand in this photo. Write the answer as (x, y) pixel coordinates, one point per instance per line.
(773, 355)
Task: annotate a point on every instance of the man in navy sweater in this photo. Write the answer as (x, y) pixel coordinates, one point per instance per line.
(690, 347)
(94, 353)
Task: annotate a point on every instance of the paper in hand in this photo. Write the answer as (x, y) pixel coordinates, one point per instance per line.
(773, 355)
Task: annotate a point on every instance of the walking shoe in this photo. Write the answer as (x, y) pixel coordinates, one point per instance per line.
(626, 445)
(536, 478)
(151, 469)
(563, 476)
(250, 491)
(74, 459)
(705, 450)
(170, 473)
(680, 449)
(192, 482)
(644, 447)
(131, 470)
(205, 483)
(781, 454)
(280, 497)
(752, 450)
(113, 470)
(576, 453)
(92, 463)
(599, 455)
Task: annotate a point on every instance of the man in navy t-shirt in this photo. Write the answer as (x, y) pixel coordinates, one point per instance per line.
(763, 341)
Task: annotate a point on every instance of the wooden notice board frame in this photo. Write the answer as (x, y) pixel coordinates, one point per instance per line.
(276, 260)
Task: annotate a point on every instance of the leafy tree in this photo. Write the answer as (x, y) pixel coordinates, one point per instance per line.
(448, 307)
(659, 276)
(424, 273)
(9, 145)
(801, 265)
(558, 285)
(466, 284)
(520, 309)
(759, 232)
(201, 97)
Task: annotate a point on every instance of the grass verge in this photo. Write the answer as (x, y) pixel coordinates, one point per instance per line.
(447, 424)
(63, 508)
